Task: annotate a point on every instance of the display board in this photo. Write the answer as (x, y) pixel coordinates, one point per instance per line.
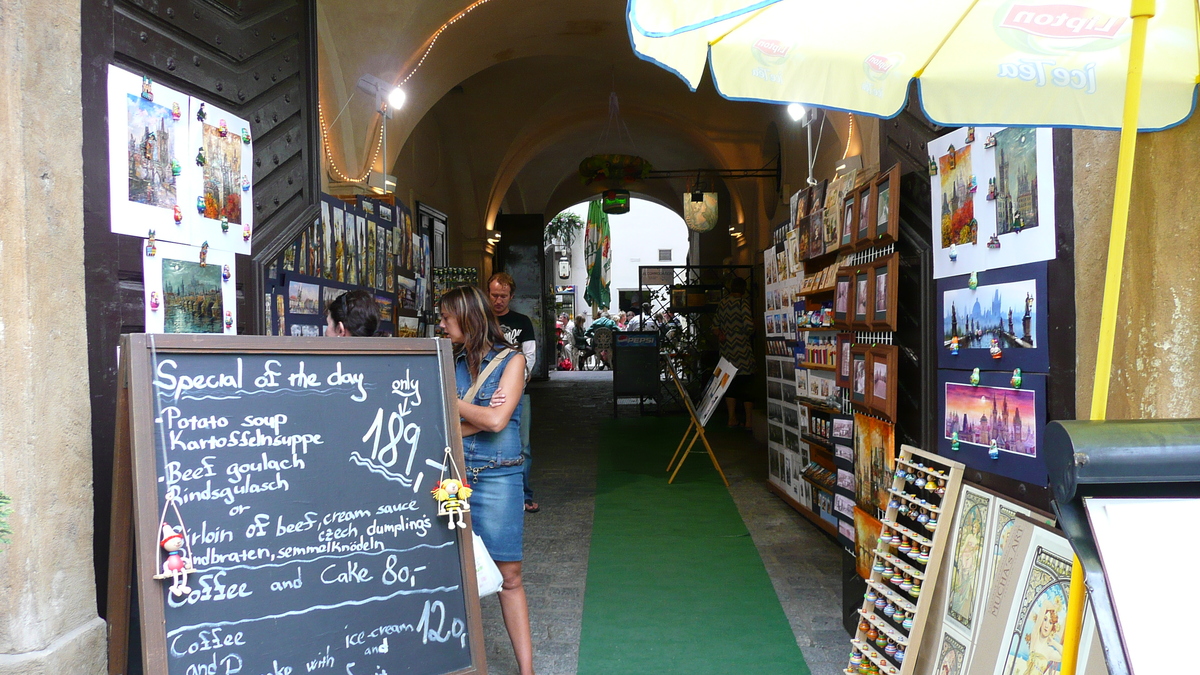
(635, 364)
(300, 472)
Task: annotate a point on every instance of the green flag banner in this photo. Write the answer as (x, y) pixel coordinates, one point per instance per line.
(596, 252)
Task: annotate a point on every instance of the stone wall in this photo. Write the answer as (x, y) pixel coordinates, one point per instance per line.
(48, 621)
(1155, 365)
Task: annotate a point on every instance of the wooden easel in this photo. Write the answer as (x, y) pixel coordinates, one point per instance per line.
(699, 434)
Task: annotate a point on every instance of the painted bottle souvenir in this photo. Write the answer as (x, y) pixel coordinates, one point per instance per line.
(204, 254)
(975, 378)
(222, 129)
(907, 624)
(200, 205)
(201, 114)
(994, 450)
(954, 345)
(178, 214)
(224, 223)
(154, 300)
(147, 93)
(176, 113)
(889, 610)
(905, 547)
(200, 160)
(872, 633)
(953, 252)
(246, 232)
(229, 318)
(881, 641)
(890, 649)
(1017, 378)
(973, 281)
(933, 168)
(900, 654)
(225, 273)
(151, 249)
(916, 589)
(880, 603)
(951, 157)
(995, 349)
(176, 167)
(970, 134)
(245, 135)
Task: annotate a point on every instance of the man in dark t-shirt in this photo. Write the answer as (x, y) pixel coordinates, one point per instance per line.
(519, 330)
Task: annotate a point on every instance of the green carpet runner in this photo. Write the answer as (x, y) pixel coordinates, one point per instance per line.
(675, 584)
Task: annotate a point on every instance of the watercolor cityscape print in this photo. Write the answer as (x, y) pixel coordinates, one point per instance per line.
(222, 173)
(192, 296)
(958, 202)
(1016, 180)
(1004, 312)
(151, 152)
(981, 415)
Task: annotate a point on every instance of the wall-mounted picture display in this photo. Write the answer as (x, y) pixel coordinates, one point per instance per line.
(864, 230)
(849, 221)
(816, 233)
(859, 396)
(225, 189)
(881, 367)
(884, 292)
(992, 202)
(1006, 311)
(887, 207)
(843, 428)
(843, 294)
(187, 291)
(842, 344)
(866, 539)
(803, 422)
(861, 316)
(802, 382)
(994, 413)
(874, 461)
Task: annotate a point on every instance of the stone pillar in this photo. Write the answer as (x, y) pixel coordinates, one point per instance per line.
(48, 621)
(1155, 364)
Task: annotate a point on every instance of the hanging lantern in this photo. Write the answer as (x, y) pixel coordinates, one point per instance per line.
(700, 215)
(615, 202)
(608, 168)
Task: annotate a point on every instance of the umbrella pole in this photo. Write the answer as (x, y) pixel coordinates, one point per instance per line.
(1140, 11)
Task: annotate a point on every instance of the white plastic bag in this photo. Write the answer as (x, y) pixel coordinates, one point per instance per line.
(487, 575)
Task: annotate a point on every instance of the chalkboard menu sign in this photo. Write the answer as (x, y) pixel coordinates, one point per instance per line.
(301, 473)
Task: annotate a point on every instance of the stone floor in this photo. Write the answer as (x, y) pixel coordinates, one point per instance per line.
(567, 412)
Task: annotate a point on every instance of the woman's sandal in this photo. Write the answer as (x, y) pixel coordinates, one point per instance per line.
(532, 506)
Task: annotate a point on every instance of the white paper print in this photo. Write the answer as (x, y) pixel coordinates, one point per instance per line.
(1014, 227)
(146, 145)
(182, 296)
(222, 189)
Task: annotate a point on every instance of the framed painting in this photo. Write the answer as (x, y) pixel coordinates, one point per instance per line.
(842, 363)
(887, 207)
(882, 377)
(843, 298)
(860, 316)
(994, 412)
(864, 228)
(874, 462)
(816, 233)
(858, 378)
(849, 221)
(866, 537)
(1006, 309)
(883, 283)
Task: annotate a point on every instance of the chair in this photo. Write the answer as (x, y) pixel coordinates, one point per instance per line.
(602, 344)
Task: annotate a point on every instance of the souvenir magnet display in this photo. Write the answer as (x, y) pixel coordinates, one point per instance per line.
(975, 378)
(147, 93)
(225, 273)
(994, 240)
(953, 252)
(178, 214)
(245, 183)
(151, 249)
(951, 157)
(990, 142)
(1016, 378)
(973, 186)
(245, 135)
(994, 450)
(954, 441)
(154, 300)
(995, 349)
(933, 168)
(973, 282)
(200, 205)
(176, 168)
(229, 318)
(246, 232)
(991, 195)
(224, 223)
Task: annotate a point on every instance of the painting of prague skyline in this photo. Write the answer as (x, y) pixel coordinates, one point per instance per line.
(1016, 180)
(983, 414)
(958, 202)
(151, 151)
(1005, 312)
(194, 303)
(222, 175)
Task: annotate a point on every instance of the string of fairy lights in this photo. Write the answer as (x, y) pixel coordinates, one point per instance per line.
(378, 132)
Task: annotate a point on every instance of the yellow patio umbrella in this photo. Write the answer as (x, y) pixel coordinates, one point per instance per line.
(1065, 63)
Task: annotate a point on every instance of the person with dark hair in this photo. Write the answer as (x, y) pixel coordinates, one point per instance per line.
(643, 321)
(518, 328)
(352, 314)
(486, 362)
(733, 328)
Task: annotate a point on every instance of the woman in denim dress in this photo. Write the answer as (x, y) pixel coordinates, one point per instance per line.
(492, 447)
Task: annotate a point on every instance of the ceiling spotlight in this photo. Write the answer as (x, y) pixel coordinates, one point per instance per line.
(396, 98)
(796, 111)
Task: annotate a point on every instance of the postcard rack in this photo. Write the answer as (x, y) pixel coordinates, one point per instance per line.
(912, 543)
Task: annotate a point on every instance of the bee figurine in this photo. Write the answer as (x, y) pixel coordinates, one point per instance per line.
(151, 249)
(154, 301)
(201, 114)
(451, 495)
(204, 256)
(200, 159)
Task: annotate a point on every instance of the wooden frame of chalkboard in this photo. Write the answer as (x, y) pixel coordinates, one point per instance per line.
(278, 607)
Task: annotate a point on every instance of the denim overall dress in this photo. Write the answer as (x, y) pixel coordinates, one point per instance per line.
(494, 470)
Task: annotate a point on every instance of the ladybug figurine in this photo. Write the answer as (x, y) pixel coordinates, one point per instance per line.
(229, 318)
(178, 214)
(222, 129)
(225, 273)
(154, 301)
